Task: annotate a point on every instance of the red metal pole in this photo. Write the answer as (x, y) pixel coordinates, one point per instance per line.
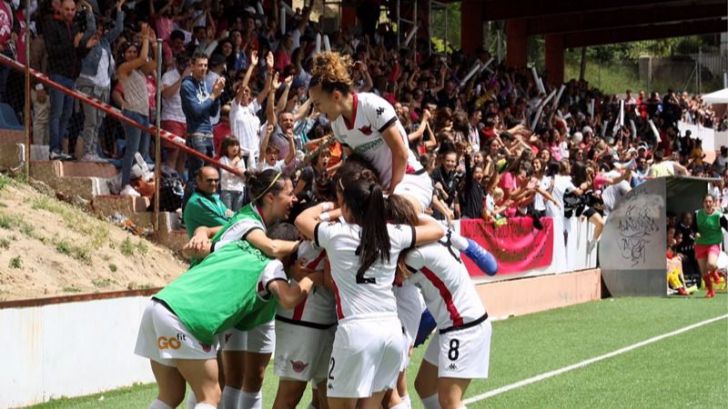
(168, 137)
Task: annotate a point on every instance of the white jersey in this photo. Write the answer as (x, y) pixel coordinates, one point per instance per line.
(273, 271)
(370, 293)
(372, 116)
(318, 307)
(449, 293)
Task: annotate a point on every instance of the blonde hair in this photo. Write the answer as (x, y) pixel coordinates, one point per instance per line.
(331, 71)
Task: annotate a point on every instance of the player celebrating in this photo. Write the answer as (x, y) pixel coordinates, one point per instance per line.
(460, 351)
(304, 337)
(709, 223)
(247, 349)
(362, 249)
(368, 125)
(180, 325)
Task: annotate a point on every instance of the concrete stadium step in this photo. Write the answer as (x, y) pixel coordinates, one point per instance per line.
(85, 179)
(12, 135)
(12, 155)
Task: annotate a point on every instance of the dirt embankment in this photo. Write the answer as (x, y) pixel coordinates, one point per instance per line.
(50, 248)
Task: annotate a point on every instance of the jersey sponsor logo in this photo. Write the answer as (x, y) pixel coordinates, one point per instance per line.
(205, 347)
(366, 130)
(227, 338)
(380, 111)
(452, 366)
(168, 343)
(298, 366)
(368, 146)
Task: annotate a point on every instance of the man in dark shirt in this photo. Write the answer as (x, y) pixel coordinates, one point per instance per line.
(61, 39)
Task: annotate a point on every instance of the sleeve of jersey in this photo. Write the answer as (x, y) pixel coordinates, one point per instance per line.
(272, 272)
(406, 236)
(381, 114)
(322, 234)
(414, 260)
(238, 231)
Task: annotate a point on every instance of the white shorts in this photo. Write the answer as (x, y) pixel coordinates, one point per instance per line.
(261, 339)
(462, 354)
(418, 187)
(164, 338)
(410, 305)
(366, 357)
(303, 353)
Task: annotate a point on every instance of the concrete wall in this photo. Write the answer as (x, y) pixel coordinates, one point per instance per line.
(518, 297)
(70, 349)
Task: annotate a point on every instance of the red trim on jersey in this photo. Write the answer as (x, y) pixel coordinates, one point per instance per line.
(298, 311)
(260, 213)
(457, 320)
(354, 105)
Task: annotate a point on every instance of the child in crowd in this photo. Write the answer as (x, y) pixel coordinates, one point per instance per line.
(232, 185)
(41, 109)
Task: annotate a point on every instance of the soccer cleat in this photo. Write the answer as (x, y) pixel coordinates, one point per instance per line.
(710, 294)
(715, 276)
(682, 291)
(485, 261)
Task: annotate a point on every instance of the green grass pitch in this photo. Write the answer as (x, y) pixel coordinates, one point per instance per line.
(688, 370)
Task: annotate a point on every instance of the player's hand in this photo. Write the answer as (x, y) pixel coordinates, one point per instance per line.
(299, 270)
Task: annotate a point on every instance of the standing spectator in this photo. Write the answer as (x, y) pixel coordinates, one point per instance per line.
(173, 118)
(95, 79)
(232, 185)
(61, 39)
(244, 121)
(41, 107)
(135, 102)
(215, 70)
(6, 44)
(199, 103)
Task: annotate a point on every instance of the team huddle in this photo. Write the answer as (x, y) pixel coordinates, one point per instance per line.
(335, 298)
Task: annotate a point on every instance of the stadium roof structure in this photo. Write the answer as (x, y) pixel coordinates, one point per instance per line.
(579, 23)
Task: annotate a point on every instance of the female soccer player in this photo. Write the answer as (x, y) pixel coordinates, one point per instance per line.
(247, 349)
(460, 351)
(368, 125)
(362, 250)
(180, 325)
(709, 222)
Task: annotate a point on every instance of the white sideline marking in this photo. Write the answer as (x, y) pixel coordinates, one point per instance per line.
(587, 362)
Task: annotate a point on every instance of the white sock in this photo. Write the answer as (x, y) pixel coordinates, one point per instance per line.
(400, 405)
(231, 398)
(158, 404)
(203, 405)
(191, 401)
(458, 241)
(252, 400)
(431, 402)
(407, 401)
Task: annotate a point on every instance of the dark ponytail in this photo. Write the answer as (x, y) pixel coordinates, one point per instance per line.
(261, 183)
(365, 200)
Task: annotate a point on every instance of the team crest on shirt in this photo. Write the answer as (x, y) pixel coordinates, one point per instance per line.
(206, 347)
(366, 130)
(298, 366)
(380, 111)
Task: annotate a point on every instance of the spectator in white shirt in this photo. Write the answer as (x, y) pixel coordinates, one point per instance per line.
(232, 185)
(172, 118)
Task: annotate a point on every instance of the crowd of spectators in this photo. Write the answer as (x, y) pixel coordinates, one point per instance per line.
(498, 143)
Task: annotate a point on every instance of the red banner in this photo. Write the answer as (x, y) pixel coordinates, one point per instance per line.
(517, 245)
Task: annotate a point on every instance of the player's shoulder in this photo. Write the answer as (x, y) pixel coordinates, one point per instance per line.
(372, 101)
